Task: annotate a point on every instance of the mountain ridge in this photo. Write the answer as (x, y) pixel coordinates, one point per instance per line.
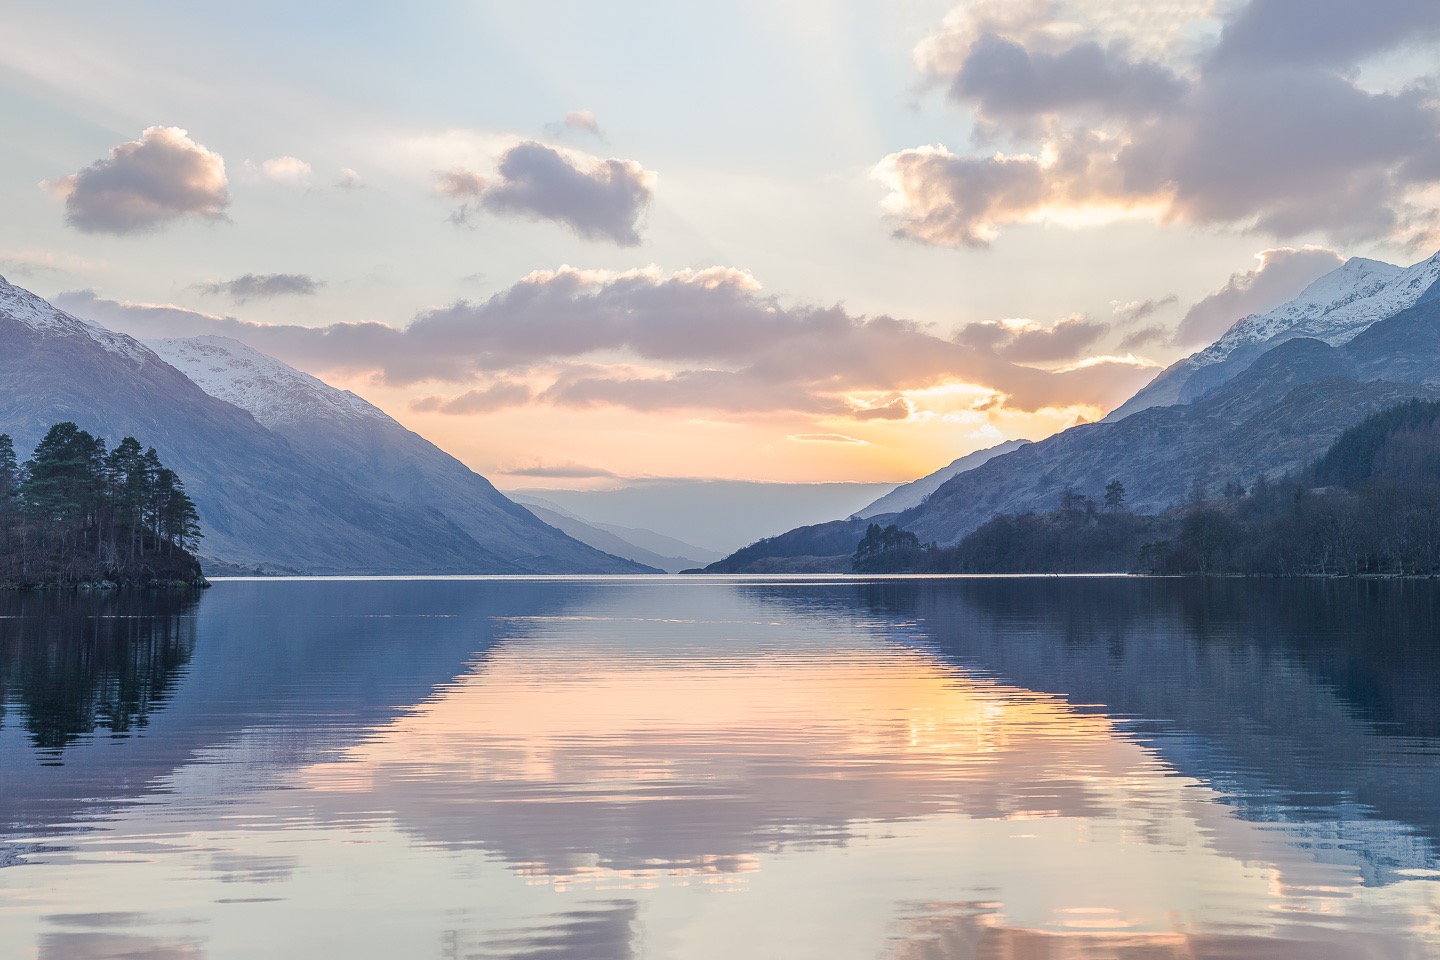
(265, 500)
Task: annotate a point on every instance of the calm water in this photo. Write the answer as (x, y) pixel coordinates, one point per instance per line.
(912, 769)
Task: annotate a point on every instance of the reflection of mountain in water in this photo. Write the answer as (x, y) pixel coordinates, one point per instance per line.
(1312, 703)
(76, 663)
(295, 669)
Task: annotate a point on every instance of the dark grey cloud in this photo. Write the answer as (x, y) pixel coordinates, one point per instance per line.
(724, 344)
(1333, 33)
(1144, 337)
(598, 199)
(1283, 273)
(145, 184)
(1004, 79)
(1289, 150)
(260, 286)
(1288, 144)
(1031, 343)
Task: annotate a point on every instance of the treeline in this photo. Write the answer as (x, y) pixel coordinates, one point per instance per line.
(1369, 505)
(76, 512)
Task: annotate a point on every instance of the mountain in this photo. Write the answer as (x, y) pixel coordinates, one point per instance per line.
(914, 493)
(642, 546)
(279, 496)
(1335, 308)
(718, 515)
(1363, 339)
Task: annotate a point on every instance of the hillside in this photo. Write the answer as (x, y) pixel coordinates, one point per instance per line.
(264, 499)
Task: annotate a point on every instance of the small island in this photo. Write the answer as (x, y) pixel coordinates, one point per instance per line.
(81, 516)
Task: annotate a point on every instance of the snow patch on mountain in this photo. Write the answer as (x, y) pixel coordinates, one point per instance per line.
(273, 392)
(23, 306)
(1335, 308)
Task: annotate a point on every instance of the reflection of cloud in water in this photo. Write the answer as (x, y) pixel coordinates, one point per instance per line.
(971, 931)
(567, 757)
(112, 946)
(245, 868)
(600, 932)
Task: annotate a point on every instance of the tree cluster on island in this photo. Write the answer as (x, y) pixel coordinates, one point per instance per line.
(76, 513)
(1370, 505)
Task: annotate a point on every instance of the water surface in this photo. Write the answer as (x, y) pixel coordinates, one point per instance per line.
(709, 768)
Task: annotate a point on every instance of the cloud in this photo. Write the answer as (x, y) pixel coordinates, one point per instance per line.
(258, 286)
(899, 408)
(1136, 310)
(349, 179)
(1026, 342)
(699, 340)
(1144, 337)
(1004, 79)
(824, 438)
(1227, 135)
(37, 263)
(578, 121)
(561, 471)
(497, 396)
(598, 199)
(287, 171)
(1300, 32)
(145, 184)
(1283, 273)
(459, 183)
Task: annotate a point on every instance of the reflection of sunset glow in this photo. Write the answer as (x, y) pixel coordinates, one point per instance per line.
(705, 771)
(596, 756)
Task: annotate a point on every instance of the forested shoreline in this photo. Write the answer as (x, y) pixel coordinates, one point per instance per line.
(1369, 506)
(77, 514)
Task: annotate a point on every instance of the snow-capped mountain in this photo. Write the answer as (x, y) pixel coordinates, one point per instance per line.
(275, 393)
(1335, 308)
(28, 310)
(327, 484)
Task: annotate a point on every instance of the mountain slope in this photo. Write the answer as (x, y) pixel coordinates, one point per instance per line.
(1276, 416)
(1335, 308)
(1273, 415)
(263, 499)
(914, 493)
(362, 443)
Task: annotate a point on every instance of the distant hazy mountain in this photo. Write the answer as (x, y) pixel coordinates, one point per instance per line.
(284, 498)
(912, 494)
(1268, 397)
(642, 546)
(718, 515)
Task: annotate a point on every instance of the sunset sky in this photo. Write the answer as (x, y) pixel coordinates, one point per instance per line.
(776, 240)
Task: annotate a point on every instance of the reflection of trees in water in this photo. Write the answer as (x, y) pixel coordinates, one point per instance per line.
(1376, 643)
(74, 663)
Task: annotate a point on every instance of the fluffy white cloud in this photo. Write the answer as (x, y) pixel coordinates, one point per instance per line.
(287, 171)
(145, 184)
